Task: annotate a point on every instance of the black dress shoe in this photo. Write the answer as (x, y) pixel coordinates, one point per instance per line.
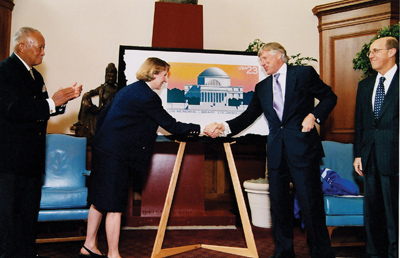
(39, 256)
(91, 254)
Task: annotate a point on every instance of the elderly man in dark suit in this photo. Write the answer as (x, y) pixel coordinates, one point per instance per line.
(25, 108)
(286, 98)
(376, 148)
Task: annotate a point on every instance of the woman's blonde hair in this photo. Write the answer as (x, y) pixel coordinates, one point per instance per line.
(151, 67)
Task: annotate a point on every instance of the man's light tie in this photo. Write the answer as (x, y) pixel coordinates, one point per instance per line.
(379, 97)
(31, 71)
(278, 97)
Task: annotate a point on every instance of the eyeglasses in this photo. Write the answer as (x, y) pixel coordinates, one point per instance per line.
(375, 51)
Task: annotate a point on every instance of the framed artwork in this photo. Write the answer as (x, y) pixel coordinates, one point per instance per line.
(203, 85)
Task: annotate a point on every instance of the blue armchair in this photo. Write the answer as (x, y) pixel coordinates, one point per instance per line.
(64, 191)
(342, 210)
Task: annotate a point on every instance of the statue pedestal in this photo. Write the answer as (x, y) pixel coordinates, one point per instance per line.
(178, 25)
(80, 130)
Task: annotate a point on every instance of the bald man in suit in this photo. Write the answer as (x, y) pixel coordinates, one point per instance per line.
(376, 148)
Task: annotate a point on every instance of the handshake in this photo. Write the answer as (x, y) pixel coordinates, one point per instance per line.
(214, 129)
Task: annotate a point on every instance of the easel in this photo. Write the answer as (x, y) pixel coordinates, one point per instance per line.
(250, 251)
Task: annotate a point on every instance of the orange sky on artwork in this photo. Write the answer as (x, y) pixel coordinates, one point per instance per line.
(187, 73)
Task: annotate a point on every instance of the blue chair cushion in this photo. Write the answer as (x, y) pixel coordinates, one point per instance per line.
(343, 205)
(63, 214)
(63, 197)
(344, 210)
(343, 221)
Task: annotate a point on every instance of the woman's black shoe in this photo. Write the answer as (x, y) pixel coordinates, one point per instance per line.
(91, 254)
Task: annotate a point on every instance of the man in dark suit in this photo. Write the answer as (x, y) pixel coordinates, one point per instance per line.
(376, 148)
(286, 98)
(25, 108)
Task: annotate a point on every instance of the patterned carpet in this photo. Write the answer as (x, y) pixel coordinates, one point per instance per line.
(139, 243)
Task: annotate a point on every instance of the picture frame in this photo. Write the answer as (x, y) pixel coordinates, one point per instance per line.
(203, 86)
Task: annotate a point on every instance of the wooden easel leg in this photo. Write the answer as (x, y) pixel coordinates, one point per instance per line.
(250, 251)
(168, 202)
(248, 233)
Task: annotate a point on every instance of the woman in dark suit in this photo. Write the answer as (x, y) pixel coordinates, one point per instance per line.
(125, 135)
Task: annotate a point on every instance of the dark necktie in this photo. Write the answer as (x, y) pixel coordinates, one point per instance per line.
(379, 97)
(278, 97)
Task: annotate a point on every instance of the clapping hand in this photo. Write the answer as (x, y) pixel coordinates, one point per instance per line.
(63, 95)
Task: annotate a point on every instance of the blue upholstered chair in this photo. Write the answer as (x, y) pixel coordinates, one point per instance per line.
(64, 191)
(342, 210)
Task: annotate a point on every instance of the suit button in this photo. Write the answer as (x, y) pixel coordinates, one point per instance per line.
(144, 148)
(282, 127)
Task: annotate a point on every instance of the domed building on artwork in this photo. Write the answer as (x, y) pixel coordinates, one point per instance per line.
(213, 92)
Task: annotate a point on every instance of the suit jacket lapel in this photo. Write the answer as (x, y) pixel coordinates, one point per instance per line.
(290, 84)
(265, 89)
(369, 89)
(25, 74)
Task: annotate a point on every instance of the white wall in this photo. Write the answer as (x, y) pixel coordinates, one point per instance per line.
(83, 36)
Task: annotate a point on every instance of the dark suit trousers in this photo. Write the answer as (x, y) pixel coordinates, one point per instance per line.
(308, 189)
(381, 211)
(19, 207)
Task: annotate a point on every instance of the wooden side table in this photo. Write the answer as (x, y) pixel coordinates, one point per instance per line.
(250, 251)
